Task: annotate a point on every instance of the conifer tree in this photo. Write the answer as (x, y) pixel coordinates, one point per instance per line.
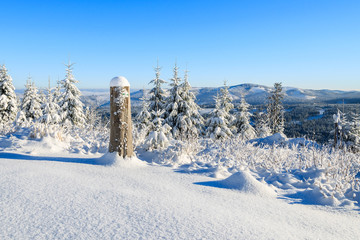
(242, 124)
(217, 123)
(70, 103)
(157, 138)
(143, 118)
(354, 133)
(346, 133)
(8, 99)
(189, 121)
(31, 102)
(157, 94)
(275, 110)
(261, 125)
(20, 120)
(57, 93)
(173, 102)
(226, 105)
(51, 109)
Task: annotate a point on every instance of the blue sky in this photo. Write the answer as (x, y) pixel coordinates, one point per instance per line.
(302, 43)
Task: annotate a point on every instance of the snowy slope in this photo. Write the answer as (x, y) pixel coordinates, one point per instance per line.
(65, 198)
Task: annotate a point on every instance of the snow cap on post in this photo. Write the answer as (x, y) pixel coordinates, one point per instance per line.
(119, 82)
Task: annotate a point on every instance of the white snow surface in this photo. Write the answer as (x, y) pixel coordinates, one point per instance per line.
(50, 191)
(58, 195)
(119, 82)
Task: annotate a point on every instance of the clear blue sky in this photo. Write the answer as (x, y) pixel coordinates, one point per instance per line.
(302, 43)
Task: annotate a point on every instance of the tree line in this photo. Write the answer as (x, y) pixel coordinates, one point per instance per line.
(177, 116)
(56, 106)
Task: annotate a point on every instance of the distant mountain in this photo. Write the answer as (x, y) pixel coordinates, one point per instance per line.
(257, 94)
(254, 94)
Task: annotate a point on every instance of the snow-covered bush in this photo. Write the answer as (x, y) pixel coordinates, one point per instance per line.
(157, 138)
(40, 130)
(261, 125)
(297, 168)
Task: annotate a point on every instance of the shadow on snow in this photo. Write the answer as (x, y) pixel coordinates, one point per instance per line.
(17, 156)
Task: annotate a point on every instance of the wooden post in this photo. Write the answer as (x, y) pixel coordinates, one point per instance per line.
(120, 118)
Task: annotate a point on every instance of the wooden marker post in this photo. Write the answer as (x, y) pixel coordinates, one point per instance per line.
(120, 118)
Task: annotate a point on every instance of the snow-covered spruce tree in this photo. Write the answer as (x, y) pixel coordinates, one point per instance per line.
(20, 120)
(217, 123)
(354, 133)
(8, 100)
(346, 133)
(341, 130)
(143, 118)
(31, 102)
(261, 125)
(51, 109)
(243, 128)
(157, 94)
(189, 122)
(275, 110)
(173, 102)
(226, 105)
(57, 93)
(70, 103)
(143, 122)
(157, 138)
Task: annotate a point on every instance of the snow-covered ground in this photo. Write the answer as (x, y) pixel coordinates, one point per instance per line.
(53, 194)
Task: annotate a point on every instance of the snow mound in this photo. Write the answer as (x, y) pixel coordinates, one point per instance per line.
(245, 182)
(277, 138)
(115, 160)
(119, 82)
(318, 197)
(282, 140)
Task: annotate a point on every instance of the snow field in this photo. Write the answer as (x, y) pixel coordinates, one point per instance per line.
(57, 200)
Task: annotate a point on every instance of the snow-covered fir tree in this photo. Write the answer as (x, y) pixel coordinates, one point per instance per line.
(346, 133)
(243, 128)
(157, 138)
(157, 94)
(275, 110)
(51, 114)
(8, 100)
(20, 120)
(217, 123)
(261, 124)
(189, 122)
(354, 133)
(341, 129)
(57, 93)
(70, 103)
(225, 103)
(143, 118)
(173, 102)
(31, 102)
